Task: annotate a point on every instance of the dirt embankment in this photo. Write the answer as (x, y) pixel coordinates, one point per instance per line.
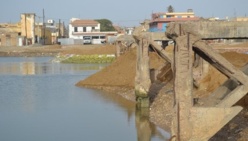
(89, 49)
(119, 76)
(121, 73)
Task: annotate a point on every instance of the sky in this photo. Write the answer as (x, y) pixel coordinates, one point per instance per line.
(127, 13)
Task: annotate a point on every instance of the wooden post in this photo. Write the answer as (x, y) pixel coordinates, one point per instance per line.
(118, 50)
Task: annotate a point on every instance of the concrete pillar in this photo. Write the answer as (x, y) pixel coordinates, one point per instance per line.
(183, 87)
(142, 79)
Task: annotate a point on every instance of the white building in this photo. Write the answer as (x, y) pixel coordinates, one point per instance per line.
(129, 30)
(78, 27)
(82, 29)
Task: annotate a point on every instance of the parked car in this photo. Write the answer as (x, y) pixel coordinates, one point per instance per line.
(87, 40)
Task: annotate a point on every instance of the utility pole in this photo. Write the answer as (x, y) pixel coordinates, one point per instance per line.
(44, 28)
(63, 30)
(39, 30)
(26, 29)
(59, 28)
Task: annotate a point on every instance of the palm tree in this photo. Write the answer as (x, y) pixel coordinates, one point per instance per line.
(170, 9)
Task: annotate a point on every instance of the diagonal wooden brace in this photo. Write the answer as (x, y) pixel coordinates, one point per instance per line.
(219, 62)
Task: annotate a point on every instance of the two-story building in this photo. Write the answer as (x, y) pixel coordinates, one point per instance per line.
(78, 27)
(159, 20)
(87, 30)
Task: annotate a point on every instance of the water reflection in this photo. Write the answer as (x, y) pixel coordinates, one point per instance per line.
(36, 66)
(147, 130)
(38, 99)
(27, 68)
(28, 99)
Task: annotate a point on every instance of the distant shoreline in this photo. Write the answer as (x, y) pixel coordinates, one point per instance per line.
(54, 50)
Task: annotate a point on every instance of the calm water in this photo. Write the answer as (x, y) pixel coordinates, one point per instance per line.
(39, 102)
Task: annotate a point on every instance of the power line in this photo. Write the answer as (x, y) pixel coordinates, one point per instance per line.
(44, 27)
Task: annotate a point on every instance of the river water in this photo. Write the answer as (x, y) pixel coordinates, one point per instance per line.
(40, 102)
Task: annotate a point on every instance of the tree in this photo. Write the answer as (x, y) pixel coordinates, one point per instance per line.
(170, 9)
(105, 25)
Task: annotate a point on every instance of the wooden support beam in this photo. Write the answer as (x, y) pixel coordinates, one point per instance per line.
(219, 62)
(165, 55)
(226, 91)
(191, 123)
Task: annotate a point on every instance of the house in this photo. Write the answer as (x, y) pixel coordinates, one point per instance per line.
(159, 20)
(30, 32)
(77, 27)
(10, 34)
(80, 30)
(19, 34)
(9, 38)
(85, 30)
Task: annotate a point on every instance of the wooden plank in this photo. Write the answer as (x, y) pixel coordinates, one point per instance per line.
(165, 55)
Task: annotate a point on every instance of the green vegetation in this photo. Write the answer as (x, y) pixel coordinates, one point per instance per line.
(106, 25)
(80, 59)
(170, 9)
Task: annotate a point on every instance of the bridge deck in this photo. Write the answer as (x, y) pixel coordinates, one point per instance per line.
(214, 29)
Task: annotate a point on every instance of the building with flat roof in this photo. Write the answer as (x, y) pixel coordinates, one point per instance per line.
(159, 20)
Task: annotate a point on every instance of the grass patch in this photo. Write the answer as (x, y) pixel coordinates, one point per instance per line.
(80, 59)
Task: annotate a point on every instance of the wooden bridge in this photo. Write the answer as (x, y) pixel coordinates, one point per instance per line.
(191, 121)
